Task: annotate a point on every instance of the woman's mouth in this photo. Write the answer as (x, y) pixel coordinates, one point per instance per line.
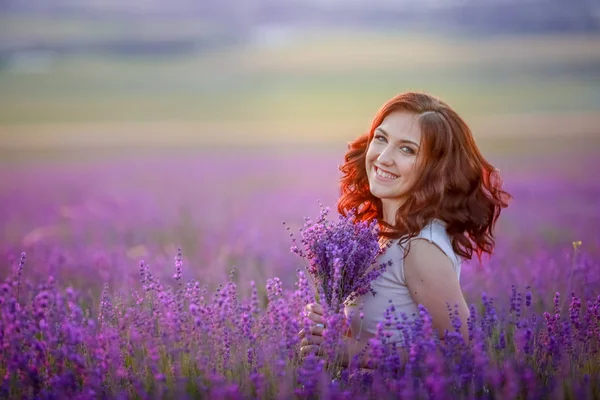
(388, 176)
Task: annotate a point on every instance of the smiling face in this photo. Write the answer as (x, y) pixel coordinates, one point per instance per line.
(392, 158)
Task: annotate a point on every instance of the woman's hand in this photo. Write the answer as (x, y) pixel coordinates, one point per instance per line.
(312, 339)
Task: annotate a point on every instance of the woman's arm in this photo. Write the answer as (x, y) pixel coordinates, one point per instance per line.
(432, 281)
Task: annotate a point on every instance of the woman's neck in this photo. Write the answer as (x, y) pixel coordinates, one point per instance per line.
(389, 210)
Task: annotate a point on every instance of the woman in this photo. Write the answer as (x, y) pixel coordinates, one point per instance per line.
(419, 172)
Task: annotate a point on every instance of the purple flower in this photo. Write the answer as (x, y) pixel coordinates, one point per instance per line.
(340, 255)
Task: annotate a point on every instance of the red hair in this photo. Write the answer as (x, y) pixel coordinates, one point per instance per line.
(454, 184)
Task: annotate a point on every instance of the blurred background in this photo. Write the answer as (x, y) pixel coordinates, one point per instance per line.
(130, 127)
(143, 73)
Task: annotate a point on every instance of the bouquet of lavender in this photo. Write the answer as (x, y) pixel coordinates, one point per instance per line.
(341, 256)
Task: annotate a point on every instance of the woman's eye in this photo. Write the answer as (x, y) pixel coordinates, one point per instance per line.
(380, 138)
(407, 150)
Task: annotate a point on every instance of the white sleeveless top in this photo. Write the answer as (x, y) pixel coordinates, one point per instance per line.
(391, 285)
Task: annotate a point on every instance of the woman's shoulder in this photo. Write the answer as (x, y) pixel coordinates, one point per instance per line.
(435, 232)
(436, 228)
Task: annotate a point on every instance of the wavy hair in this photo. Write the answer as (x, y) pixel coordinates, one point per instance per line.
(454, 182)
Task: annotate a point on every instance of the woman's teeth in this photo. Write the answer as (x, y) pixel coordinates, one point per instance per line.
(384, 174)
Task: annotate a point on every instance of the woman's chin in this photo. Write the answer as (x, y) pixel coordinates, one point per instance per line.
(381, 193)
(384, 197)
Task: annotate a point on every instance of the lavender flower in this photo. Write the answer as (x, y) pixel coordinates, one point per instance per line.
(341, 256)
(153, 335)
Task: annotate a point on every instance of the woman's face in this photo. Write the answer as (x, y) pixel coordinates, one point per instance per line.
(391, 157)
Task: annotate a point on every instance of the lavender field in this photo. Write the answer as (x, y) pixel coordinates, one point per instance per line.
(98, 302)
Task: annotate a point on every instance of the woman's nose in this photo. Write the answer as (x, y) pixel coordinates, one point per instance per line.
(385, 157)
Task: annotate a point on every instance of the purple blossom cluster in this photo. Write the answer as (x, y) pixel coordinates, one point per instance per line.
(82, 317)
(341, 256)
(182, 341)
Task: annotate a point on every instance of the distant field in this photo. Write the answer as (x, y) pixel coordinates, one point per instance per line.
(322, 87)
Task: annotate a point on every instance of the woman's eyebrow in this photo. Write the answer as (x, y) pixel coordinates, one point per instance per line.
(384, 133)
